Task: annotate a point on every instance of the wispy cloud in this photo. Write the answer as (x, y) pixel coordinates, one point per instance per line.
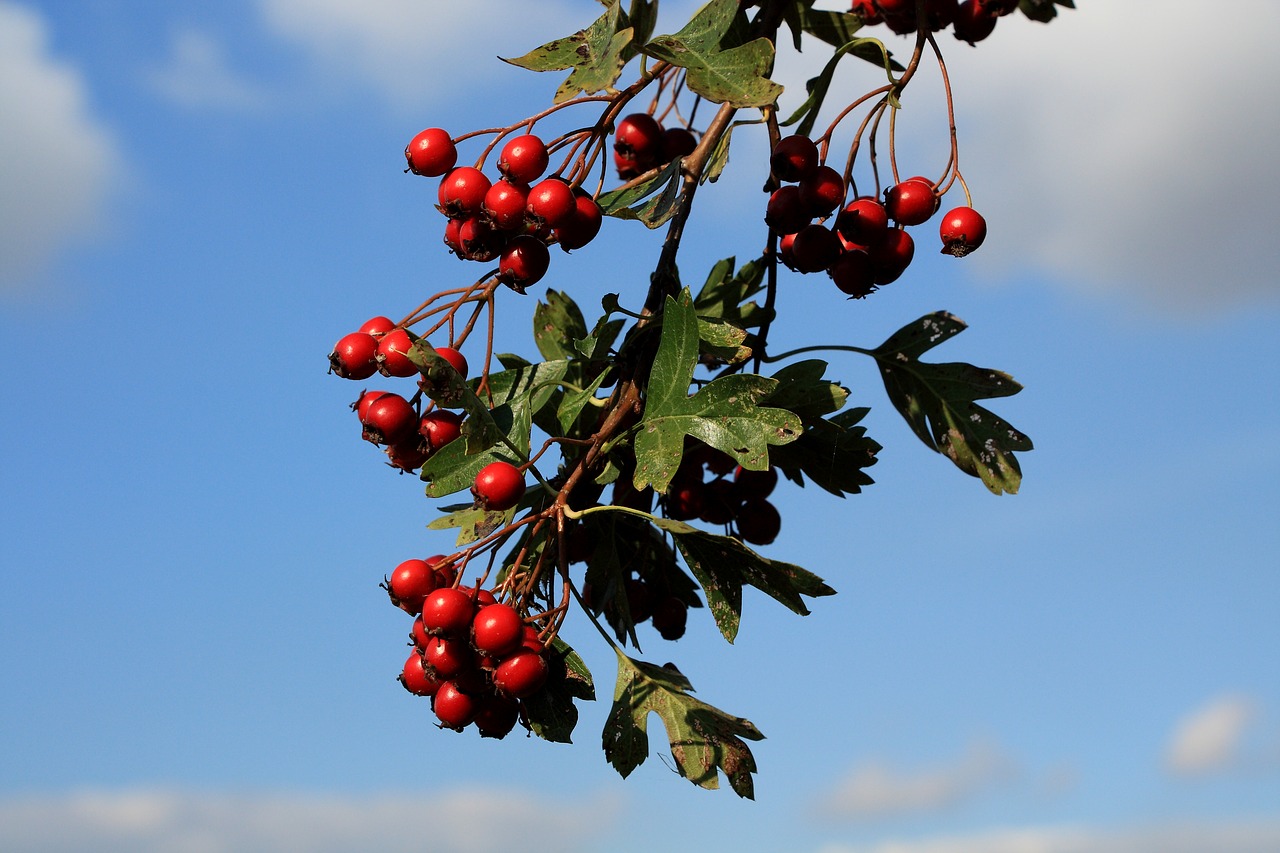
(58, 161)
(166, 821)
(1209, 738)
(876, 789)
(1236, 837)
(196, 74)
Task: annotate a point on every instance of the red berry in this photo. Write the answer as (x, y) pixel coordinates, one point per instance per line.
(670, 617)
(354, 356)
(454, 709)
(521, 675)
(794, 158)
(446, 656)
(975, 21)
(863, 221)
(530, 640)
(497, 630)
(523, 262)
(439, 427)
(505, 203)
(822, 191)
(758, 522)
(431, 153)
(415, 677)
(910, 202)
(815, 248)
(754, 484)
(497, 716)
(377, 326)
(410, 583)
(867, 11)
(447, 611)
(639, 138)
(499, 486)
(677, 142)
(583, 226)
(462, 192)
(418, 635)
(721, 502)
(685, 500)
(523, 159)
(480, 240)
(891, 256)
(639, 600)
(388, 419)
(456, 359)
(852, 273)
(393, 358)
(786, 211)
(962, 230)
(552, 202)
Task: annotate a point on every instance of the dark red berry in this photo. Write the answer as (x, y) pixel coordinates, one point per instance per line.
(822, 191)
(816, 247)
(720, 502)
(523, 262)
(794, 158)
(862, 221)
(867, 11)
(639, 138)
(523, 159)
(754, 484)
(354, 356)
(480, 240)
(583, 226)
(431, 153)
(974, 21)
(962, 230)
(758, 522)
(497, 716)
(677, 142)
(447, 656)
(670, 616)
(684, 501)
(498, 486)
(521, 675)
(852, 273)
(891, 256)
(786, 211)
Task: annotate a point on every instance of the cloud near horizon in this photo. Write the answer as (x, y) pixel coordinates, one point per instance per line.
(181, 821)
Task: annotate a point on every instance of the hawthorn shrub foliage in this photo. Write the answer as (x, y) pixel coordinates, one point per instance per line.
(626, 476)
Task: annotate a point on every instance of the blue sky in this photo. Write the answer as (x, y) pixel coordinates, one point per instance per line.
(196, 202)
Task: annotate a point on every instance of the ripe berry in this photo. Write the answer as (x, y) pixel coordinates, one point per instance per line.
(685, 500)
(852, 273)
(393, 358)
(677, 142)
(822, 191)
(974, 21)
(523, 159)
(552, 202)
(523, 262)
(639, 138)
(410, 583)
(447, 611)
(786, 212)
(354, 356)
(497, 630)
(867, 11)
(815, 248)
(962, 230)
(480, 240)
(862, 221)
(447, 657)
(794, 158)
(431, 153)
(377, 326)
(750, 485)
(499, 486)
(521, 675)
(415, 677)
(720, 503)
(583, 226)
(462, 192)
(670, 617)
(910, 202)
(388, 419)
(505, 203)
(456, 359)
(758, 522)
(497, 716)
(454, 709)
(439, 427)
(891, 256)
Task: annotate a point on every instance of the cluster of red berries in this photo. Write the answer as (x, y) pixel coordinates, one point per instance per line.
(641, 143)
(512, 219)
(732, 496)
(474, 656)
(972, 20)
(860, 251)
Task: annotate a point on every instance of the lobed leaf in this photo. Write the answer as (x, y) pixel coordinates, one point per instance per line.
(705, 741)
(596, 55)
(653, 213)
(551, 712)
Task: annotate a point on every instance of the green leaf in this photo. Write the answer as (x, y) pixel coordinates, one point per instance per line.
(557, 324)
(724, 413)
(723, 341)
(551, 711)
(937, 401)
(1043, 10)
(801, 389)
(722, 564)
(734, 74)
(573, 402)
(835, 28)
(656, 210)
(704, 740)
(870, 49)
(595, 54)
(724, 295)
(832, 453)
(472, 523)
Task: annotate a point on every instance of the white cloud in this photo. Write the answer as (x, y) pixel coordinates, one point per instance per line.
(876, 789)
(1123, 150)
(1209, 738)
(476, 821)
(58, 163)
(1238, 837)
(417, 53)
(196, 74)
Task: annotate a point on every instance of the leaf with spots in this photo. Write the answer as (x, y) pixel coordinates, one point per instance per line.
(724, 413)
(596, 55)
(705, 741)
(723, 565)
(937, 401)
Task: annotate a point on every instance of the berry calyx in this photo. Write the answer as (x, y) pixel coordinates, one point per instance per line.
(499, 486)
(962, 230)
(431, 153)
(462, 192)
(388, 419)
(393, 354)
